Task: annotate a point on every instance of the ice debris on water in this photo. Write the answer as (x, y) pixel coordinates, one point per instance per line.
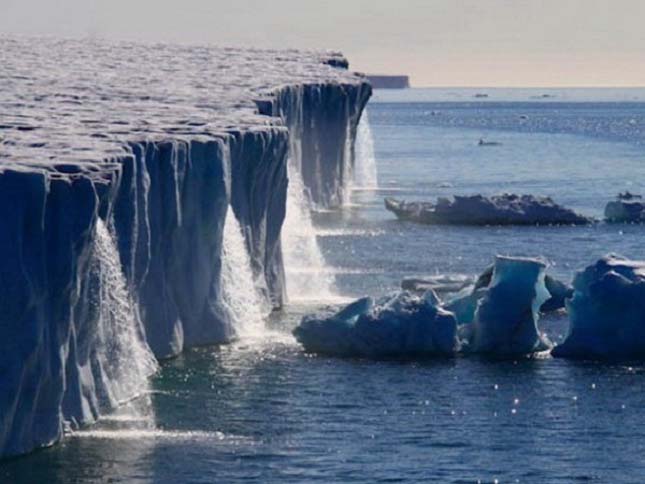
(399, 325)
(607, 311)
(504, 321)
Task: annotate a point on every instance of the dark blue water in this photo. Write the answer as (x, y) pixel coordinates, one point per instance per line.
(264, 411)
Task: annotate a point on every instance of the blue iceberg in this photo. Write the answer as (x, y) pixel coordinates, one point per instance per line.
(400, 325)
(464, 302)
(607, 312)
(499, 317)
(505, 321)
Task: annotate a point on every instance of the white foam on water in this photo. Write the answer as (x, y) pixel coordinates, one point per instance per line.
(155, 434)
(239, 293)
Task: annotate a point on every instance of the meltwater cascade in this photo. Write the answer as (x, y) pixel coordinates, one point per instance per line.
(123, 360)
(308, 278)
(365, 173)
(239, 293)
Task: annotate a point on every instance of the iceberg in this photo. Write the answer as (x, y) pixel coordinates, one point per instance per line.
(497, 319)
(505, 321)
(402, 325)
(627, 208)
(464, 302)
(505, 209)
(607, 312)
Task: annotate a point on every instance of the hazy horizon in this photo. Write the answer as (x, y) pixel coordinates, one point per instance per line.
(438, 43)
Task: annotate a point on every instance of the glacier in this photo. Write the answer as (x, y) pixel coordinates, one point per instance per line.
(132, 176)
(607, 312)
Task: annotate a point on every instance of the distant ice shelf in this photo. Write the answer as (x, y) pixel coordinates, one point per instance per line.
(145, 149)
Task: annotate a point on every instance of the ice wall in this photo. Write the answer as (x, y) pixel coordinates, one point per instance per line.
(131, 192)
(55, 311)
(323, 120)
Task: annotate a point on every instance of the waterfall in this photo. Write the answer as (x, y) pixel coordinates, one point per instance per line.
(365, 174)
(123, 360)
(305, 268)
(239, 293)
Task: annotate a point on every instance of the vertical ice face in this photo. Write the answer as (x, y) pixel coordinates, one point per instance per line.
(121, 351)
(109, 361)
(75, 292)
(239, 294)
(322, 122)
(365, 173)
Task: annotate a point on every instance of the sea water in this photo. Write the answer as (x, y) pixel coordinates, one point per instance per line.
(270, 413)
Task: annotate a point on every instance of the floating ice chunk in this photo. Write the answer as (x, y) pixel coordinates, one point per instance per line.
(400, 325)
(464, 303)
(627, 208)
(505, 209)
(505, 322)
(607, 311)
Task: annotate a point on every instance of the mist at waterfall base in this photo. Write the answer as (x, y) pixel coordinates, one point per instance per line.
(261, 410)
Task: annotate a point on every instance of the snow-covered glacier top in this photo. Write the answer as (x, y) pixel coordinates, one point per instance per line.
(81, 102)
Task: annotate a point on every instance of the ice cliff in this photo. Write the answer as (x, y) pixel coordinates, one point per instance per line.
(120, 164)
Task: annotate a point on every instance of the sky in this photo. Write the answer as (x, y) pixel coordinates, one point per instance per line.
(542, 43)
